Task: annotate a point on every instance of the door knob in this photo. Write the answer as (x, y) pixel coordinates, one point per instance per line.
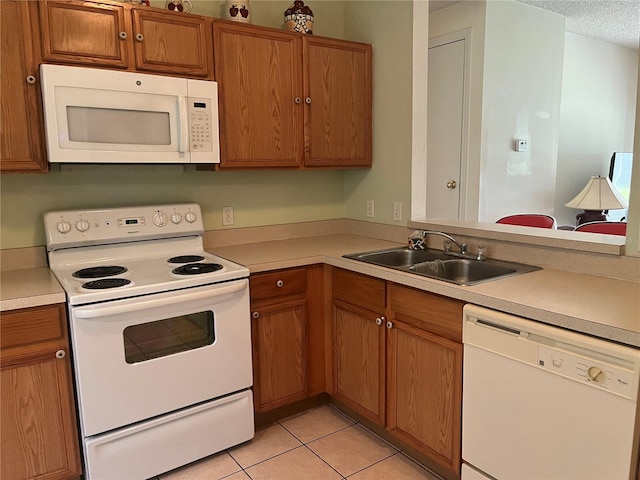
(451, 184)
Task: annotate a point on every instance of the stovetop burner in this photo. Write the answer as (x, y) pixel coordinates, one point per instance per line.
(197, 268)
(102, 271)
(186, 259)
(105, 283)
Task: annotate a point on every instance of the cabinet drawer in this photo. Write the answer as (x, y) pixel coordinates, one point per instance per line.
(360, 290)
(32, 326)
(278, 284)
(433, 313)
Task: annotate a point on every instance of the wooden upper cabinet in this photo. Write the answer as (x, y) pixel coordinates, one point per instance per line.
(84, 33)
(259, 73)
(22, 133)
(339, 92)
(115, 35)
(290, 100)
(169, 42)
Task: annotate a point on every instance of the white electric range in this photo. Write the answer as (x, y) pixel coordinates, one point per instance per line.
(160, 334)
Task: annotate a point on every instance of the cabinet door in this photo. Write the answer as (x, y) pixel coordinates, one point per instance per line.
(338, 111)
(21, 136)
(358, 360)
(39, 433)
(279, 354)
(424, 392)
(172, 43)
(259, 71)
(424, 374)
(88, 34)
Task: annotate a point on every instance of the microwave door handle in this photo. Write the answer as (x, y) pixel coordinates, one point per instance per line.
(183, 142)
(99, 313)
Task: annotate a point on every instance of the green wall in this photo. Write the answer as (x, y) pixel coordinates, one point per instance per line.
(387, 25)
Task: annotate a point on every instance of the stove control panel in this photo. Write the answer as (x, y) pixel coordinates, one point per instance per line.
(87, 227)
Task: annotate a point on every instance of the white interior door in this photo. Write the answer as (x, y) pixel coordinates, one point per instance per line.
(445, 128)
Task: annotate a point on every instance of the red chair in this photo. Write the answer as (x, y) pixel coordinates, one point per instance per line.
(611, 228)
(530, 220)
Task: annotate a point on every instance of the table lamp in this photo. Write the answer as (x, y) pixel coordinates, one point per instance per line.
(598, 195)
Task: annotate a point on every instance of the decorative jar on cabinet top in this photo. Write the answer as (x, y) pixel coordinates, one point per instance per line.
(238, 11)
(299, 18)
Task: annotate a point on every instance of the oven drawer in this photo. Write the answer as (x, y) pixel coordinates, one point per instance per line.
(278, 284)
(153, 447)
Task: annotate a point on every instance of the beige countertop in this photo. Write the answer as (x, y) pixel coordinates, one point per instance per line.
(599, 306)
(30, 287)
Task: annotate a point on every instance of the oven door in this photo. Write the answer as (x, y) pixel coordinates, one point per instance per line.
(141, 357)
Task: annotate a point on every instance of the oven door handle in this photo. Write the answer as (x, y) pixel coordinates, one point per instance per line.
(108, 311)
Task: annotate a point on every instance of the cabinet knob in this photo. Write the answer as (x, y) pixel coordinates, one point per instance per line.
(255, 314)
(60, 354)
(279, 284)
(31, 79)
(451, 184)
(389, 325)
(122, 35)
(379, 321)
(139, 37)
(297, 100)
(307, 100)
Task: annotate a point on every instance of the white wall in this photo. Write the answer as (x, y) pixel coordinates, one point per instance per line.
(597, 114)
(523, 58)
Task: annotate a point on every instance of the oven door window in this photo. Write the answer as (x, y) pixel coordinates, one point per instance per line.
(166, 337)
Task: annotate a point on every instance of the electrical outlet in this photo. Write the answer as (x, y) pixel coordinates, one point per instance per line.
(397, 211)
(370, 212)
(227, 215)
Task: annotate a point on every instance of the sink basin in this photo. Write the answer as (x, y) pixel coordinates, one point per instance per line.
(435, 264)
(399, 257)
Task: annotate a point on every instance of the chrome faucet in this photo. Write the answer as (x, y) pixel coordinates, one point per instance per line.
(417, 242)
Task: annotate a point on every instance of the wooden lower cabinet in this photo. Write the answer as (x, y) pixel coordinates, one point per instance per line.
(359, 343)
(39, 430)
(281, 324)
(399, 363)
(424, 373)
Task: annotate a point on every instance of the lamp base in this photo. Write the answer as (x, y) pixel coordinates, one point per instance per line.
(591, 216)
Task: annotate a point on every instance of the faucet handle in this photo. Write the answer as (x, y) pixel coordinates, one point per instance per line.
(482, 252)
(416, 240)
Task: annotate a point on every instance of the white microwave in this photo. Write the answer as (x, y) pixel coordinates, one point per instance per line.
(105, 116)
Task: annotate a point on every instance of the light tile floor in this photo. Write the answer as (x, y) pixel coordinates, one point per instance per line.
(319, 444)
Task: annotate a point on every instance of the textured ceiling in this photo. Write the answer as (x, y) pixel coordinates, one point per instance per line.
(614, 21)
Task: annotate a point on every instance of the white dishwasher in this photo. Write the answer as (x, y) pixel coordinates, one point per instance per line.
(544, 403)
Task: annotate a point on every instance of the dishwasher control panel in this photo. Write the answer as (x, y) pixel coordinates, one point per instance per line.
(598, 373)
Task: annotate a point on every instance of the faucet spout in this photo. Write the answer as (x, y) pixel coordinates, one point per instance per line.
(417, 242)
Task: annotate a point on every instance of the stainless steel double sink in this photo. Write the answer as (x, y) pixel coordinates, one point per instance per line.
(436, 264)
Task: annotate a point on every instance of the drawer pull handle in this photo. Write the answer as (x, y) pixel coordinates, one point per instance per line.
(123, 35)
(31, 79)
(61, 354)
(379, 320)
(139, 37)
(307, 100)
(255, 314)
(389, 325)
(279, 284)
(297, 100)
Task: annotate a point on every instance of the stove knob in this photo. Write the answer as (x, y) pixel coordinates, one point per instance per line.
(191, 217)
(176, 218)
(82, 225)
(160, 219)
(64, 227)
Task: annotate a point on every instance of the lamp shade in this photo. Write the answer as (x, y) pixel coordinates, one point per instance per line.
(598, 194)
